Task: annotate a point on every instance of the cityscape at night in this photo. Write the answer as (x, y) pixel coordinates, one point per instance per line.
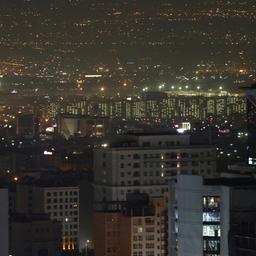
(127, 128)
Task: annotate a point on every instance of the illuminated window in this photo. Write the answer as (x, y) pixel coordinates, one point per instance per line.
(252, 161)
(211, 225)
(211, 203)
(211, 217)
(211, 230)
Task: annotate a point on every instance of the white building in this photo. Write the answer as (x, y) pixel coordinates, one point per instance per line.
(4, 221)
(143, 163)
(212, 217)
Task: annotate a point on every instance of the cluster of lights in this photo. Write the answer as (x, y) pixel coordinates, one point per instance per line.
(242, 135)
(161, 86)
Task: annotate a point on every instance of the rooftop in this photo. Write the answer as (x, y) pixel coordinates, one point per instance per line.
(26, 218)
(49, 182)
(231, 182)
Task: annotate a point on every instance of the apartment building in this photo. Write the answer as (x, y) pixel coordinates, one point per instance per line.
(57, 198)
(143, 162)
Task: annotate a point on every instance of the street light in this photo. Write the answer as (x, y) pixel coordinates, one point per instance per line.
(161, 86)
(87, 242)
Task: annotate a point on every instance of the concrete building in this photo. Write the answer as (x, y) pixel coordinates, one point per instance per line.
(59, 199)
(35, 235)
(82, 126)
(112, 234)
(162, 106)
(142, 162)
(139, 229)
(251, 123)
(212, 217)
(4, 223)
(148, 228)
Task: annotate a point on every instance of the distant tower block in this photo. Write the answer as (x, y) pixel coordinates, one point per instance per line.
(25, 125)
(251, 123)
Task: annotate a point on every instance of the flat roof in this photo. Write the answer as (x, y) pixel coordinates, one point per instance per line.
(138, 148)
(231, 182)
(50, 182)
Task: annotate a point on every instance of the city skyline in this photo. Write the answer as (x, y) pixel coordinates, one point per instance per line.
(127, 128)
(129, 45)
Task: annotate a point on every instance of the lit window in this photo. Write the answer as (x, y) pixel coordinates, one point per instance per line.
(211, 217)
(211, 230)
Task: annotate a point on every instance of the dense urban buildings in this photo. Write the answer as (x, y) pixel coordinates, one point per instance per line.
(137, 165)
(106, 106)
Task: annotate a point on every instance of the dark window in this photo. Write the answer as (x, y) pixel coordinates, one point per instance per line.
(136, 165)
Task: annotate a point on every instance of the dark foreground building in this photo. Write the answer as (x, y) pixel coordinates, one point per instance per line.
(212, 216)
(35, 235)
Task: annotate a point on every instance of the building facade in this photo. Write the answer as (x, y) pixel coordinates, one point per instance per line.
(59, 200)
(144, 162)
(82, 126)
(138, 229)
(211, 217)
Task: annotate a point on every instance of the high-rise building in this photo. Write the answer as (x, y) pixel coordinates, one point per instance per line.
(212, 216)
(4, 223)
(138, 229)
(138, 109)
(53, 109)
(59, 199)
(26, 125)
(251, 123)
(112, 234)
(142, 162)
(154, 106)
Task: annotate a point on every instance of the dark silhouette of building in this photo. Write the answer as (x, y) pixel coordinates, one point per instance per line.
(35, 235)
(251, 123)
(26, 125)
